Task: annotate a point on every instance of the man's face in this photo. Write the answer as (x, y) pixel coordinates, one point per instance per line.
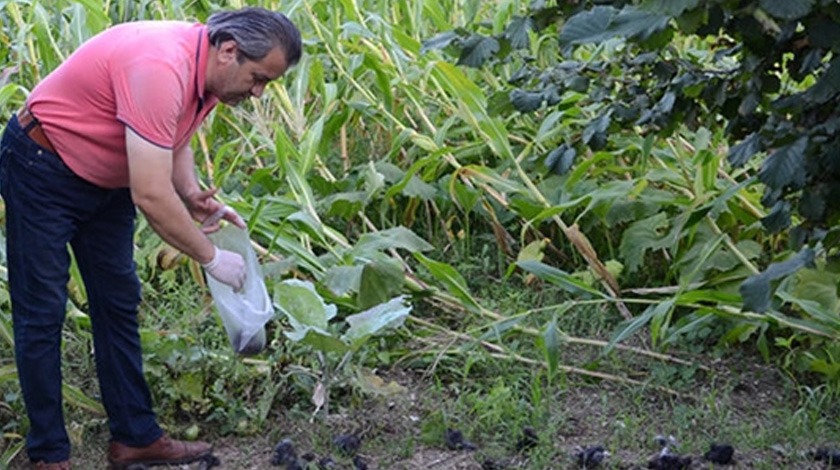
(236, 81)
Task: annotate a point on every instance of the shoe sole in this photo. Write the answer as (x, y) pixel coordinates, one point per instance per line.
(209, 461)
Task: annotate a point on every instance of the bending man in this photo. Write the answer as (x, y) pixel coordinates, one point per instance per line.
(106, 132)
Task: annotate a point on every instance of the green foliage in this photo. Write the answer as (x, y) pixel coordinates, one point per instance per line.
(572, 141)
(759, 87)
(629, 81)
(309, 316)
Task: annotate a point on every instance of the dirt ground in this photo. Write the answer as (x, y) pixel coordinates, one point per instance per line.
(386, 423)
(589, 413)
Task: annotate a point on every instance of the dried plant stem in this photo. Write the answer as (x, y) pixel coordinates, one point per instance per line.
(499, 352)
(455, 305)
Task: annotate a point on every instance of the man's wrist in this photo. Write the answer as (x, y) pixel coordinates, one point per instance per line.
(212, 261)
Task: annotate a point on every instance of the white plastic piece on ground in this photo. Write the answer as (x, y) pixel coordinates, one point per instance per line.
(244, 313)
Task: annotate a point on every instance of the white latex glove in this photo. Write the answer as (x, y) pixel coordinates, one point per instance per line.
(227, 267)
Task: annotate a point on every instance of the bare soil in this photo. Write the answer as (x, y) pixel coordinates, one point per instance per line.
(391, 427)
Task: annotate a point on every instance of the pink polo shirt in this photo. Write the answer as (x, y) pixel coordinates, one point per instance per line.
(147, 75)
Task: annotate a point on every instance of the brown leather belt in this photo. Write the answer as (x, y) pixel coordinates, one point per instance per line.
(33, 129)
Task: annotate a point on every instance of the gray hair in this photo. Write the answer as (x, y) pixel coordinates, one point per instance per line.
(256, 32)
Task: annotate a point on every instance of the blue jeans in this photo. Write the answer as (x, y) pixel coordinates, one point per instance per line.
(47, 208)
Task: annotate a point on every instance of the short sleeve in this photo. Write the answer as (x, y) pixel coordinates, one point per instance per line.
(149, 95)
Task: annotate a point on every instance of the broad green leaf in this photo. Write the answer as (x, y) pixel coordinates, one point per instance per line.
(406, 182)
(823, 32)
(451, 279)
(725, 260)
(828, 85)
(477, 49)
(662, 108)
(634, 23)
(344, 204)
(302, 304)
(705, 253)
(819, 286)
(526, 101)
(641, 236)
(415, 187)
(779, 217)
(436, 12)
(605, 195)
(532, 251)
(741, 152)
(787, 9)
(517, 32)
(720, 203)
(757, 290)
(595, 133)
(190, 385)
(374, 180)
(318, 339)
(786, 166)
(440, 41)
(381, 280)
(396, 238)
(670, 7)
(94, 18)
(384, 316)
(602, 23)
(586, 27)
(578, 83)
(352, 29)
(815, 311)
(306, 219)
(342, 280)
(465, 196)
(813, 202)
(559, 161)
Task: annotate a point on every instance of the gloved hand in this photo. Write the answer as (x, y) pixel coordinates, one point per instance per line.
(227, 267)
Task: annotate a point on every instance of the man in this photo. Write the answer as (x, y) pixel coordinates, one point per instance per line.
(106, 132)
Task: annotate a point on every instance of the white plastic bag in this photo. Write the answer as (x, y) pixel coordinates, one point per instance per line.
(246, 312)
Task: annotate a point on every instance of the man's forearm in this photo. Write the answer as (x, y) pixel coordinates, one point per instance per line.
(184, 176)
(170, 219)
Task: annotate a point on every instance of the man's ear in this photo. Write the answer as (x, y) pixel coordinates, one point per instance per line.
(228, 51)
